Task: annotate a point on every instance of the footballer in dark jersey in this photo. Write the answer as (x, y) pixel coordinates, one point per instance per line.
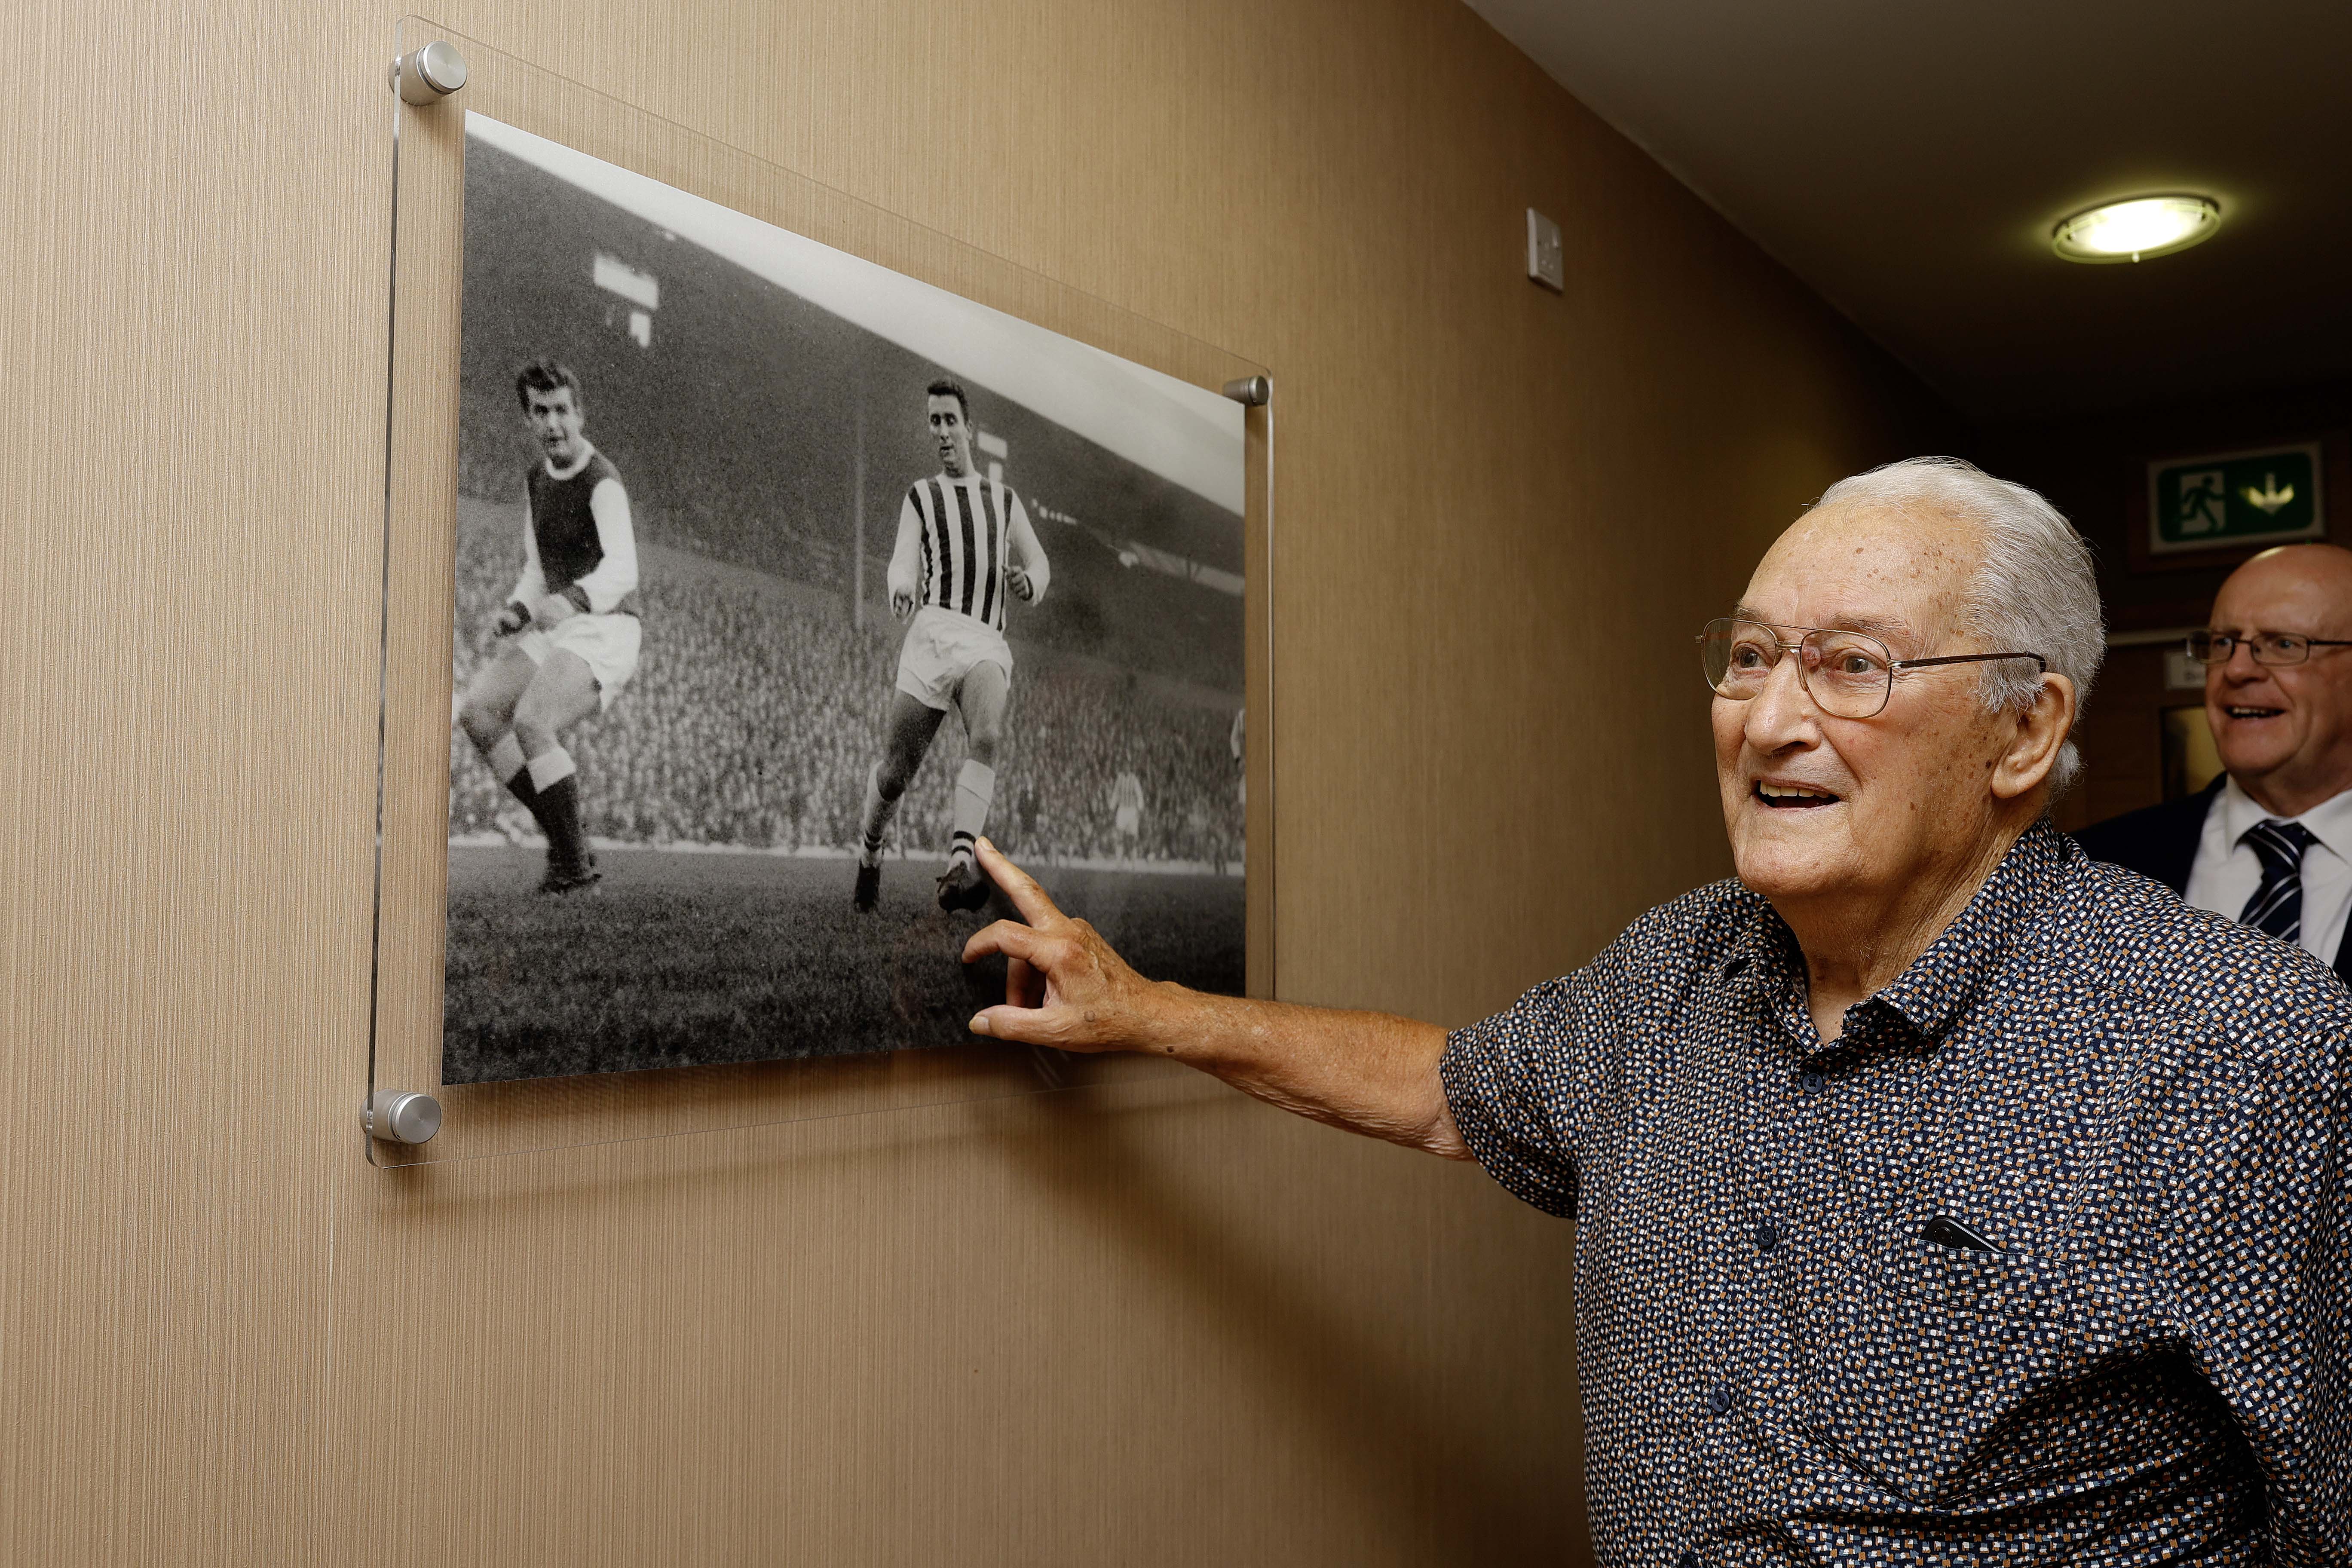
(570, 631)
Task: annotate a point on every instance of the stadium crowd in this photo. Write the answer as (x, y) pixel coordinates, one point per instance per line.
(756, 711)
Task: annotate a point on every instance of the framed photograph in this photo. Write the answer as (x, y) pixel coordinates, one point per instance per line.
(772, 577)
(2190, 758)
(780, 579)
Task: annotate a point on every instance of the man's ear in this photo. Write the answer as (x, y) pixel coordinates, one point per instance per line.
(2035, 744)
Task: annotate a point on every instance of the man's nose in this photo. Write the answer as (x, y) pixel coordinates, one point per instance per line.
(2241, 664)
(1782, 712)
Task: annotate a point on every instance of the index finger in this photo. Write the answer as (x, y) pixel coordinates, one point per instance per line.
(1018, 885)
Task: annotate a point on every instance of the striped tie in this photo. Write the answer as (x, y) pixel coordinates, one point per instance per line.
(2277, 905)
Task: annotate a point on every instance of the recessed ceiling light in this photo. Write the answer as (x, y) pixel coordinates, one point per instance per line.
(2136, 229)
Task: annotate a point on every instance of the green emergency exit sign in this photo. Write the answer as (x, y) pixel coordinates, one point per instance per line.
(2235, 499)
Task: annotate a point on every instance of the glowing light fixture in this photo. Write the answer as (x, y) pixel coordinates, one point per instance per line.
(2137, 229)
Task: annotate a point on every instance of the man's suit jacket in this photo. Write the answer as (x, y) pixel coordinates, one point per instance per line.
(2161, 843)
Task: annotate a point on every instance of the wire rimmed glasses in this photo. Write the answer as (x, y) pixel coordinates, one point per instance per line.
(1848, 673)
(2207, 645)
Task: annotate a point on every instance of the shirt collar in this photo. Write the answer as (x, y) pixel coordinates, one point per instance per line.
(1941, 983)
(571, 470)
(2330, 821)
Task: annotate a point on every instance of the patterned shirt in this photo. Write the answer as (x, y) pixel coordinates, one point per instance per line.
(1793, 1349)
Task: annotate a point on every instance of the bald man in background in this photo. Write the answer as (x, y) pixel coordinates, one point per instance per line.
(2270, 842)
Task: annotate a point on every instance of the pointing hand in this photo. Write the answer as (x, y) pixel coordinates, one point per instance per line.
(1064, 985)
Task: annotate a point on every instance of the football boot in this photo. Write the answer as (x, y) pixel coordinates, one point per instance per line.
(559, 882)
(963, 886)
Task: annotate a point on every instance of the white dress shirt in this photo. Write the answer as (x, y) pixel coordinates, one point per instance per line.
(2226, 872)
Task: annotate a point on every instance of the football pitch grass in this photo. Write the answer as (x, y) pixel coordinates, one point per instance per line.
(682, 960)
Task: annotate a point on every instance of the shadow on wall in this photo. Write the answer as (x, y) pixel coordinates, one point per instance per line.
(1162, 1295)
(1410, 1435)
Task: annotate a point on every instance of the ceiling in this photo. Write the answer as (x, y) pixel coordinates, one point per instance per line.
(1908, 160)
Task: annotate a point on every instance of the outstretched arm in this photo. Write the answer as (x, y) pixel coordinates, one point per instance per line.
(1368, 1072)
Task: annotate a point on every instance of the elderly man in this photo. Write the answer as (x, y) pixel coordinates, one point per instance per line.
(1942, 1196)
(2270, 842)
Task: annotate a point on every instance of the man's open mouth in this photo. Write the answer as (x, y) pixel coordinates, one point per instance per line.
(2236, 710)
(1792, 797)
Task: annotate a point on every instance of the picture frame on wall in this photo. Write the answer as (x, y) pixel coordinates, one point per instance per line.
(2188, 755)
(763, 377)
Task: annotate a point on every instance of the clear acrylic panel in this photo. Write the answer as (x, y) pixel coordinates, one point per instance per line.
(738, 482)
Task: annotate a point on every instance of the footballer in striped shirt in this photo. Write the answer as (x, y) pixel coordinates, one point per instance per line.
(965, 547)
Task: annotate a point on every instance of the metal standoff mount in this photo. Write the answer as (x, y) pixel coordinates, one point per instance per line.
(1251, 391)
(428, 75)
(401, 1116)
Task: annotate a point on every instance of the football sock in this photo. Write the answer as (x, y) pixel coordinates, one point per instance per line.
(874, 818)
(552, 767)
(506, 760)
(555, 778)
(975, 788)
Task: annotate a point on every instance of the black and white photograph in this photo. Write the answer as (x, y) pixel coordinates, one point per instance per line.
(782, 578)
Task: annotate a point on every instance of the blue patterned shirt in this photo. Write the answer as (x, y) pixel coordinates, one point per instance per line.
(2044, 1259)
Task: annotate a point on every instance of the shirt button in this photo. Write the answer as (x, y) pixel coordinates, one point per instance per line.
(1811, 1082)
(1718, 1398)
(1767, 1235)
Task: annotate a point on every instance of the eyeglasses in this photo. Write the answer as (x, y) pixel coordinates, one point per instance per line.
(2268, 647)
(1848, 675)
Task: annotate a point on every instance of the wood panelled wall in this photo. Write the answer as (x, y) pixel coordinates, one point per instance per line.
(1177, 1329)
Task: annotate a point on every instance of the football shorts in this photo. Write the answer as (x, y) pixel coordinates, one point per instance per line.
(607, 645)
(940, 648)
(1128, 822)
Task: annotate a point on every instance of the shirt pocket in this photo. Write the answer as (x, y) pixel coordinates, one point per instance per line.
(2000, 1292)
(1929, 1349)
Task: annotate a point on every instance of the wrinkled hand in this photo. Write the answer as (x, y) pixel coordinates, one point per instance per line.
(552, 611)
(1023, 583)
(1064, 985)
(902, 603)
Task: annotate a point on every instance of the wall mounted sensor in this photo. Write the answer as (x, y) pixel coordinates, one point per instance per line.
(1544, 262)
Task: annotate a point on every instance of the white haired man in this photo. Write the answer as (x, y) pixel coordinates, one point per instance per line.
(1942, 1195)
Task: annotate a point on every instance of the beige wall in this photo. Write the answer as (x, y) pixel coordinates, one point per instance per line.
(1179, 1330)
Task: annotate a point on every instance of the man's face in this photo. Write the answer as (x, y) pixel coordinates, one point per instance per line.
(2285, 730)
(951, 434)
(1879, 802)
(554, 421)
